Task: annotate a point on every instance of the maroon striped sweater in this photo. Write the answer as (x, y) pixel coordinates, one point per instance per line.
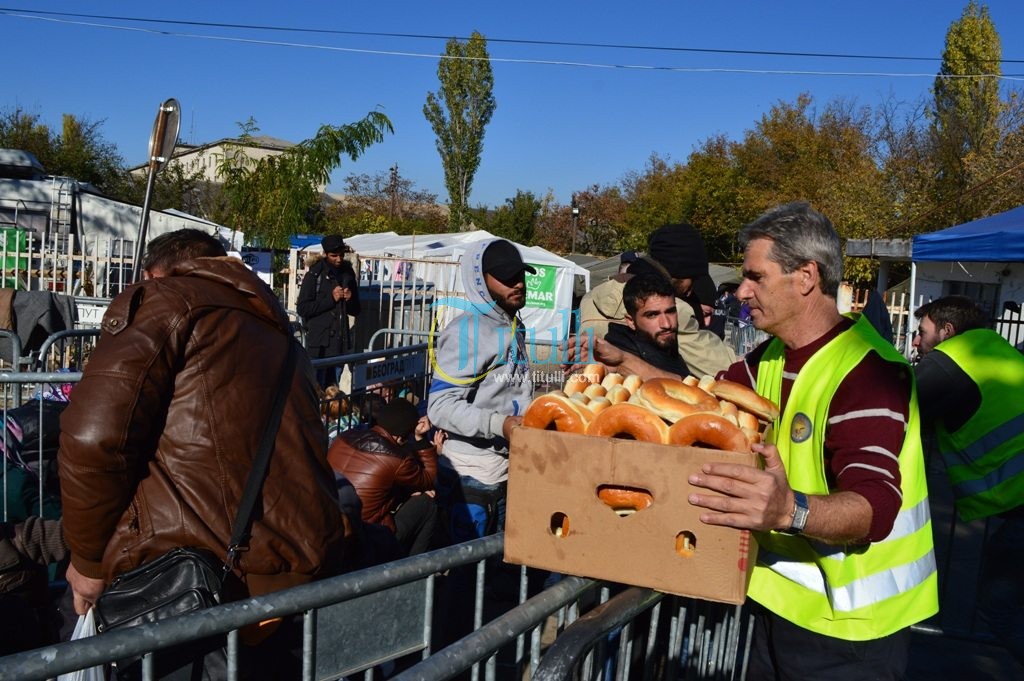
(867, 421)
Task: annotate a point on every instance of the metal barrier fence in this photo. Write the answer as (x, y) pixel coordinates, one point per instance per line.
(67, 350)
(344, 632)
(743, 337)
(703, 640)
(700, 640)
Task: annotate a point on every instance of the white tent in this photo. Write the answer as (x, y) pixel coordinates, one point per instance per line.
(549, 292)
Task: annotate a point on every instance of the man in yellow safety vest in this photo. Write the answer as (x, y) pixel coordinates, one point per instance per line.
(970, 382)
(840, 510)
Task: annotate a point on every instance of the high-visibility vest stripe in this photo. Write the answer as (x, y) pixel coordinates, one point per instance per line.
(988, 442)
(867, 590)
(908, 521)
(991, 480)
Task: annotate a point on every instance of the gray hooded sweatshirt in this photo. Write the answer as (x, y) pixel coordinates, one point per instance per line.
(481, 376)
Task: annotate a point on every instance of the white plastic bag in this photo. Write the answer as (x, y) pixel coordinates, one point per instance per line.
(86, 627)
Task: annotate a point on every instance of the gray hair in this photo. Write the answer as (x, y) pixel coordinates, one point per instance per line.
(799, 235)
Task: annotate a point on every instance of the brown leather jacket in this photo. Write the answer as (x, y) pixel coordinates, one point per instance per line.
(159, 435)
(383, 472)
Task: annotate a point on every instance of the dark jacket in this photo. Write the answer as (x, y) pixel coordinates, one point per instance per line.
(326, 321)
(26, 549)
(383, 472)
(158, 438)
(624, 338)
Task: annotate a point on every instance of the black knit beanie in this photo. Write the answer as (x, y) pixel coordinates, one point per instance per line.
(680, 249)
(705, 290)
(398, 417)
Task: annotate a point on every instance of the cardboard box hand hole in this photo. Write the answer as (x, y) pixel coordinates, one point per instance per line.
(686, 544)
(625, 500)
(559, 524)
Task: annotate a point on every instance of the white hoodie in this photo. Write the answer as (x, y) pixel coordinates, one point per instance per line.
(481, 376)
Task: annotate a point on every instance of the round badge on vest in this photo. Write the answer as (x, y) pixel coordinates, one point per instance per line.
(800, 430)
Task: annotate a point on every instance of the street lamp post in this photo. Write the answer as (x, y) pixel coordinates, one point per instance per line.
(575, 219)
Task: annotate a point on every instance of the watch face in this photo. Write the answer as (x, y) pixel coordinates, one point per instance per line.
(799, 513)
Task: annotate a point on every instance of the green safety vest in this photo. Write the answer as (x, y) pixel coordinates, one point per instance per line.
(855, 592)
(985, 456)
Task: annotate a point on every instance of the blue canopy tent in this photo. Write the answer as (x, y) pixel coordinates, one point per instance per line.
(997, 238)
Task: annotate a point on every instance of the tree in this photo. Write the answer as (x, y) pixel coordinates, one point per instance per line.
(965, 130)
(601, 220)
(654, 197)
(175, 186)
(78, 150)
(384, 201)
(271, 198)
(516, 220)
(459, 113)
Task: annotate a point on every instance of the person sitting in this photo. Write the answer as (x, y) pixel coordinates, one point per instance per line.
(393, 477)
(28, 617)
(652, 323)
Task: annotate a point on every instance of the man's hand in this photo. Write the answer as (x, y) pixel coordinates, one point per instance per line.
(346, 293)
(422, 428)
(337, 293)
(439, 437)
(580, 351)
(86, 589)
(510, 423)
(754, 499)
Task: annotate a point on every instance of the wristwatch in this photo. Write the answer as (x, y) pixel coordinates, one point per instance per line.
(800, 512)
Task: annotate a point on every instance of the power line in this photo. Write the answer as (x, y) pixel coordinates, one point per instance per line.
(28, 13)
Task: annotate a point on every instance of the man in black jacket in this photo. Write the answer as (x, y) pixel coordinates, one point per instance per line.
(651, 324)
(329, 294)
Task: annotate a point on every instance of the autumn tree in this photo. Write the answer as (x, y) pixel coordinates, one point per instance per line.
(907, 164)
(271, 198)
(601, 219)
(715, 198)
(654, 197)
(459, 113)
(77, 150)
(967, 107)
(384, 201)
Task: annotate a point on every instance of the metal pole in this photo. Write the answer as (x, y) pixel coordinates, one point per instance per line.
(575, 219)
(143, 225)
(161, 147)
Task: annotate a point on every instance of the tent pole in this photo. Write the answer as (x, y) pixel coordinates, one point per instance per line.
(911, 327)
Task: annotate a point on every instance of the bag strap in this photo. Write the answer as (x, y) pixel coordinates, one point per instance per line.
(261, 462)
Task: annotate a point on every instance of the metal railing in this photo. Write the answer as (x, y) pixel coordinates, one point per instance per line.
(707, 640)
(67, 350)
(346, 608)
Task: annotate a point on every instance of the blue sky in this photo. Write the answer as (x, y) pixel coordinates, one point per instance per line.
(566, 116)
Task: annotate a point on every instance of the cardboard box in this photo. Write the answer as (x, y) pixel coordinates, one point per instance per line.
(555, 520)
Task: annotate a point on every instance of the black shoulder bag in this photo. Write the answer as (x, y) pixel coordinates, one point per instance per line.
(187, 579)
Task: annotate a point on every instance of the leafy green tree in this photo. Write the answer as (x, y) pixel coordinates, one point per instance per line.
(175, 186)
(516, 220)
(967, 108)
(271, 198)
(459, 113)
(78, 150)
(712, 201)
(654, 197)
